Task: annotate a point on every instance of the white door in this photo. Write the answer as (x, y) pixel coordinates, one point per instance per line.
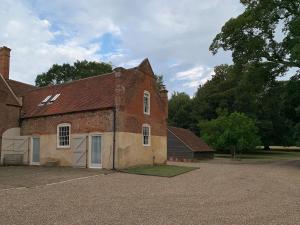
(95, 154)
(35, 156)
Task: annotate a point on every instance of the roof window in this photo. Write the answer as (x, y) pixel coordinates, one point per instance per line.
(54, 98)
(49, 99)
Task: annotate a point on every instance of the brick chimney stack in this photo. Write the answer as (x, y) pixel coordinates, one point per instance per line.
(164, 96)
(4, 61)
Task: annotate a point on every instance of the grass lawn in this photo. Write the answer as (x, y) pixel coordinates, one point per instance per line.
(264, 155)
(160, 170)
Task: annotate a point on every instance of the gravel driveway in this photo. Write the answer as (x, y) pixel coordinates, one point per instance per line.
(216, 194)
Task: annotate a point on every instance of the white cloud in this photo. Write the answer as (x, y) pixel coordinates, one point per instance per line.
(193, 77)
(41, 33)
(30, 39)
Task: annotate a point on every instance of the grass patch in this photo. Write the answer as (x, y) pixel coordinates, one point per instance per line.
(160, 170)
(264, 155)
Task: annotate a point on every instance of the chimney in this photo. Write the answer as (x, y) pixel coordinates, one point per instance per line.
(164, 96)
(4, 62)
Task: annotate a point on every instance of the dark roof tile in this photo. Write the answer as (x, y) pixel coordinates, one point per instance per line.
(189, 139)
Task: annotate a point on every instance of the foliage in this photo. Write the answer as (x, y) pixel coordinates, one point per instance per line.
(268, 32)
(180, 108)
(216, 93)
(231, 133)
(58, 74)
(159, 81)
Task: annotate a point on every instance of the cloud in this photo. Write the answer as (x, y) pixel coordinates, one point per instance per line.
(32, 41)
(175, 37)
(193, 77)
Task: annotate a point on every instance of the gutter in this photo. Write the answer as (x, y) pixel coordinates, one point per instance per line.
(114, 137)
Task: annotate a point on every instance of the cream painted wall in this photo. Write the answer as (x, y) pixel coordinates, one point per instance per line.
(13, 143)
(129, 149)
(12, 132)
(64, 156)
(131, 152)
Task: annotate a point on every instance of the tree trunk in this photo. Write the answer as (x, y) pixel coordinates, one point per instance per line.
(233, 152)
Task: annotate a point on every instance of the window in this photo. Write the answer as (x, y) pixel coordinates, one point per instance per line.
(45, 100)
(146, 102)
(146, 135)
(49, 99)
(54, 98)
(63, 135)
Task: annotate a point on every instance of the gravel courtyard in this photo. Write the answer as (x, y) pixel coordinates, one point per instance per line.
(216, 194)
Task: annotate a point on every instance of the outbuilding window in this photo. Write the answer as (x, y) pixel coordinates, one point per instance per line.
(63, 135)
(146, 133)
(146, 102)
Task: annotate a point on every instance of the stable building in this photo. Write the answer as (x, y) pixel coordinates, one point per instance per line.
(183, 144)
(110, 121)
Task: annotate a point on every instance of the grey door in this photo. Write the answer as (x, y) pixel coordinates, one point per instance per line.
(79, 152)
(96, 152)
(35, 150)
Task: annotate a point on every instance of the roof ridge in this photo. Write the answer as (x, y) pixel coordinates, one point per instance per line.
(11, 90)
(20, 82)
(72, 82)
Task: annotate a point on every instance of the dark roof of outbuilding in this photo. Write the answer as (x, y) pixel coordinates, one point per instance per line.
(188, 138)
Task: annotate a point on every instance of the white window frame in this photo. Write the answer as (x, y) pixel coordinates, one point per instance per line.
(149, 137)
(90, 164)
(149, 100)
(57, 135)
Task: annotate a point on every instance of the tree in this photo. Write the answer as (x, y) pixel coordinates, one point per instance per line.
(231, 133)
(159, 81)
(267, 32)
(180, 107)
(216, 93)
(58, 74)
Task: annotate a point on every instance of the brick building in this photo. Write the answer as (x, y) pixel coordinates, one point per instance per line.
(114, 120)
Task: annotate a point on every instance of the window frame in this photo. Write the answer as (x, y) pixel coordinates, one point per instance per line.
(58, 137)
(149, 100)
(149, 135)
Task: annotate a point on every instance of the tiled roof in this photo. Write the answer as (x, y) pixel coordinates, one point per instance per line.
(189, 139)
(91, 93)
(20, 88)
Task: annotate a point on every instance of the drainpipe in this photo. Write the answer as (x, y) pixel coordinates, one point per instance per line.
(114, 137)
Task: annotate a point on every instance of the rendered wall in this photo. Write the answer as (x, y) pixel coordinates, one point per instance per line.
(131, 152)
(64, 156)
(82, 124)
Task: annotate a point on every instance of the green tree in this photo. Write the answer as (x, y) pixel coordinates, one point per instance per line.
(159, 81)
(268, 32)
(216, 93)
(180, 107)
(231, 133)
(58, 74)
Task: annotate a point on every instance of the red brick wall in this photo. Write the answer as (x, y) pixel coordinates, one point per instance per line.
(131, 116)
(9, 109)
(83, 122)
(130, 87)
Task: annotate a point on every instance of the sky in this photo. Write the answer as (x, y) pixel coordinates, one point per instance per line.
(173, 35)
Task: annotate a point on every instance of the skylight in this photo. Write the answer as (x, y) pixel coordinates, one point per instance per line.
(46, 99)
(55, 97)
(49, 99)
